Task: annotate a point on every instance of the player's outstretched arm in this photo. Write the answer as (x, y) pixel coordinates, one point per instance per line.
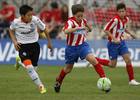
(113, 38)
(46, 31)
(88, 27)
(70, 30)
(13, 38)
(132, 35)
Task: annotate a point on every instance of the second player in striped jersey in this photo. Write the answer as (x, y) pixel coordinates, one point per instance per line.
(76, 30)
(115, 29)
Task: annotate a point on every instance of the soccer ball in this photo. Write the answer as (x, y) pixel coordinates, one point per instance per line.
(104, 84)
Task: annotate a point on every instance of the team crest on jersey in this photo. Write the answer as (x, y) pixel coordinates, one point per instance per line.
(24, 54)
(31, 25)
(121, 30)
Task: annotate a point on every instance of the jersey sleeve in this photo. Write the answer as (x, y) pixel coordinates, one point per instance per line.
(13, 25)
(85, 21)
(39, 23)
(111, 24)
(128, 20)
(68, 25)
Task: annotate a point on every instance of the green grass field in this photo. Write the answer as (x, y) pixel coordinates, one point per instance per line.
(80, 84)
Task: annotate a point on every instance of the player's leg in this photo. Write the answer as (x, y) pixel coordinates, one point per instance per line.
(113, 54)
(126, 56)
(102, 61)
(34, 75)
(24, 54)
(92, 60)
(61, 76)
(86, 53)
(97, 66)
(71, 57)
(63, 72)
(113, 63)
(34, 56)
(18, 63)
(129, 68)
(105, 62)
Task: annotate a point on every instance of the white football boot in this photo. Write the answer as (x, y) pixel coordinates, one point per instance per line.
(134, 82)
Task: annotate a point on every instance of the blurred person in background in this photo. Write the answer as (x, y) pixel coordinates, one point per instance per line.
(56, 19)
(7, 15)
(64, 13)
(46, 16)
(52, 17)
(64, 18)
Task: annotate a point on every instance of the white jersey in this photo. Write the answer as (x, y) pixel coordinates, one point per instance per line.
(27, 32)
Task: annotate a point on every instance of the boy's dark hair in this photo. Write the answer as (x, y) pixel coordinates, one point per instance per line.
(121, 6)
(77, 8)
(4, 3)
(54, 5)
(24, 9)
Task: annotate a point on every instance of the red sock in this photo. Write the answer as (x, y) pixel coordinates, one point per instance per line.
(61, 76)
(99, 70)
(103, 61)
(130, 71)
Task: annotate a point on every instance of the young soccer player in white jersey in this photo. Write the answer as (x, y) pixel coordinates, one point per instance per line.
(24, 35)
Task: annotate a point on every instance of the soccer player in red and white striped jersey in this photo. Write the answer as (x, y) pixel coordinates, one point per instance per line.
(117, 27)
(115, 30)
(76, 29)
(76, 39)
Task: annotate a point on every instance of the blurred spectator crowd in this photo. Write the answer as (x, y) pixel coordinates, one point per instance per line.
(54, 13)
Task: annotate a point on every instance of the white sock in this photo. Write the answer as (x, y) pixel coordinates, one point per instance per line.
(33, 74)
(36, 68)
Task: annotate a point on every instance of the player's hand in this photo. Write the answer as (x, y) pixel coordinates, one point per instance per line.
(50, 47)
(80, 28)
(17, 45)
(133, 36)
(87, 29)
(84, 28)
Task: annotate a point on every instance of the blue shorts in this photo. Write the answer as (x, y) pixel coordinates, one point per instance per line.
(72, 53)
(115, 50)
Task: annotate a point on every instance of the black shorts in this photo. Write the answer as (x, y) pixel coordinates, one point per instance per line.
(30, 51)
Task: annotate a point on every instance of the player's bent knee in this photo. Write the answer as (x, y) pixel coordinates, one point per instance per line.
(67, 70)
(128, 61)
(27, 62)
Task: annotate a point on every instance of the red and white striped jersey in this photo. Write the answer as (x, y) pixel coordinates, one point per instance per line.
(75, 39)
(117, 27)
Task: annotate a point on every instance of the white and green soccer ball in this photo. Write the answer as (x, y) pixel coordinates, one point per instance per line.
(104, 84)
